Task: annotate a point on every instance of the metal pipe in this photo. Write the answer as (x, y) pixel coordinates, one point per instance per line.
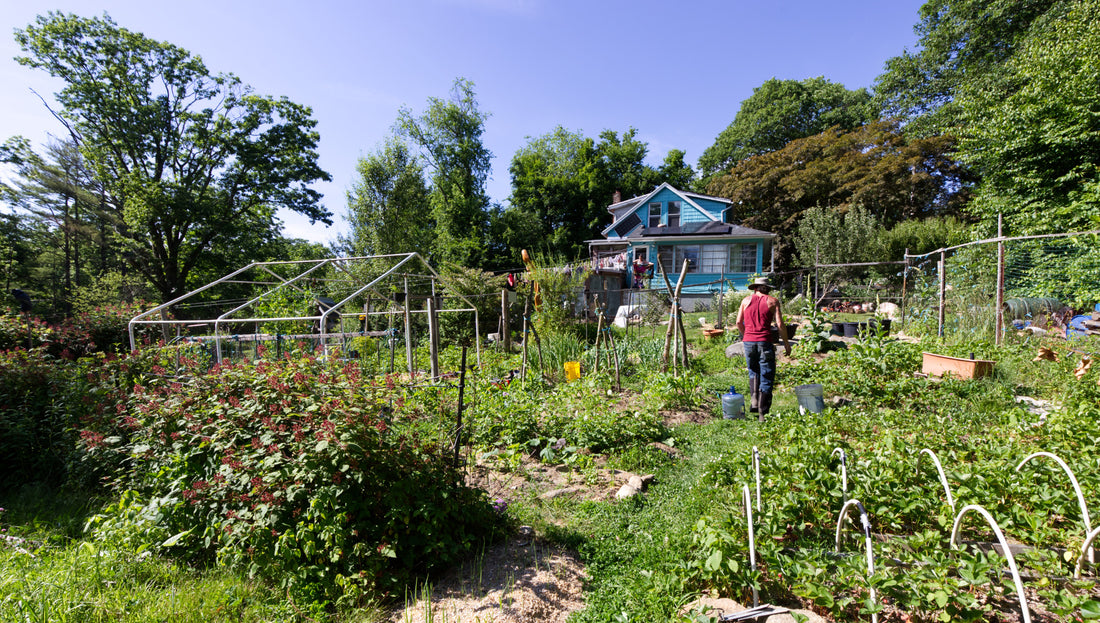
(756, 468)
(843, 473)
(866, 524)
(1004, 546)
(1076, 489)
(943, 478)
(1086, 546)
(752, 544)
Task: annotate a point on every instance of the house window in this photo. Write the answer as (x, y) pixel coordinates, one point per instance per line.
(714, 258)
(742, 258)
(654, 214)
(665, 256)
(673, 213)
(689, 253)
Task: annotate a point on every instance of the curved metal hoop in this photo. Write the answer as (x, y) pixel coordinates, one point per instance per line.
(866, 523)
(943, 477)
(1076, 489)
(1004, 545)
(843, 472)
(1085, 547)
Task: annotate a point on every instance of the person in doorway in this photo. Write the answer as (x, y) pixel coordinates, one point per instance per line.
(641, 270)
(758, 313)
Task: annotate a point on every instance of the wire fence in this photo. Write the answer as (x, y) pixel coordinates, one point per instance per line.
(988, 287)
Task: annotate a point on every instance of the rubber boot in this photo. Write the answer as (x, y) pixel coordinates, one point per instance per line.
(765, 405)
(754, 395)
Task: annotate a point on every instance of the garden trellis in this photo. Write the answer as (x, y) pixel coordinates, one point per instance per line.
(313, 301)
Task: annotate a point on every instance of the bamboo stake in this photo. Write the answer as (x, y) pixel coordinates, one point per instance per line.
(599, 331)
(615, 351)
(526, 311)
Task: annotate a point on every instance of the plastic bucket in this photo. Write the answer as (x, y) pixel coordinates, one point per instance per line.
(572, 370)
(810, 398)
(851, 329)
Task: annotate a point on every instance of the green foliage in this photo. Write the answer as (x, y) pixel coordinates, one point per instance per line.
(482, 290)
(297, 471)
(780, 111)
(189, 162)
(559, 286)
(963, 45)
(388, 206)
(893, 177)
(830, 237)
(1036, 147)
(918, 236)
(448, 134)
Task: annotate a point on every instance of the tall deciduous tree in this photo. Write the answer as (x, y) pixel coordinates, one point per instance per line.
(449, 136)
(187, 159)
(388, 205)
(1038, 149)
(874, 166)
(963, 43)
(780, 111)
(557, 186)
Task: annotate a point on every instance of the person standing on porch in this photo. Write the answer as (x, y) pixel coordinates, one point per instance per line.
(755, 319)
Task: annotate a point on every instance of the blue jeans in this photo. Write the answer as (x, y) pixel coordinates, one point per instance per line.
(761, 359)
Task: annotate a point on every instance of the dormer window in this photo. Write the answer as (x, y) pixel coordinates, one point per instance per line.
(673, 213)
(654, 215)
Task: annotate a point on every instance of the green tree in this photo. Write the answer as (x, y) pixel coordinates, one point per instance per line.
(557, 200)
(449, 136)
(623, 166)
(187, 159)
(389, 205)
(874, 166)
(780, 111)
(963, 44)
(675, 171)
(1038, 149)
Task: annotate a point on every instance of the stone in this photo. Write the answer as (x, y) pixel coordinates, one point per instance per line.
(626, 491)
(737, 349)
(636, 482)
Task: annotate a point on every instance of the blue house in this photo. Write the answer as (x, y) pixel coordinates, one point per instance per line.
(668, 226)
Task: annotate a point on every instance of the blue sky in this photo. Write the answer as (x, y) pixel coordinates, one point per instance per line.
(676, 71)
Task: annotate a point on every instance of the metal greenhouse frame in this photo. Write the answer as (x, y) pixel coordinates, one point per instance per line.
(333, 286)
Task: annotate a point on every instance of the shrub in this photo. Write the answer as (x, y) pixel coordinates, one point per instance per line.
(298, 471)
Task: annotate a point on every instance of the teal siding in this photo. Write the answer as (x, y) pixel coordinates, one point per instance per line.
(701, 282)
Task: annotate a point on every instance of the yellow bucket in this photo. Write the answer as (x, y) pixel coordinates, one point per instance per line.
(572, 370)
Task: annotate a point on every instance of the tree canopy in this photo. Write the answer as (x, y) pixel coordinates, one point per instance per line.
(388, 204)
(187, 159)
(448, 134)
(874, 166)
(1038, 149)
(780, 111)
(563, 181)
(963, 44)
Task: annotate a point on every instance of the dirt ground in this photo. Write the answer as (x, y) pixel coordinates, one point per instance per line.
(524, 579)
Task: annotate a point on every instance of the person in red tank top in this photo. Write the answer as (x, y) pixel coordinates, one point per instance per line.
(755, 318)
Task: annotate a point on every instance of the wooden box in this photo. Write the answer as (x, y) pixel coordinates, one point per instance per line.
(940, 365)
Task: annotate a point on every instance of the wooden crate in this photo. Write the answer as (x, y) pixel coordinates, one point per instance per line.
(940, 365)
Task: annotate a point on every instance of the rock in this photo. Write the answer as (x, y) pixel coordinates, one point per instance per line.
(557, 493)
(636, 482)
(737, 349)
(626, 491)
(840, 401)
(647, 479)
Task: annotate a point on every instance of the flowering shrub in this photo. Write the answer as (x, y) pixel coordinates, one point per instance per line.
(298, 471)
(103, 329)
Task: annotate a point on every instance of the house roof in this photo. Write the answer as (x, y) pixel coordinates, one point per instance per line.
(617, 209)
(705, 228)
